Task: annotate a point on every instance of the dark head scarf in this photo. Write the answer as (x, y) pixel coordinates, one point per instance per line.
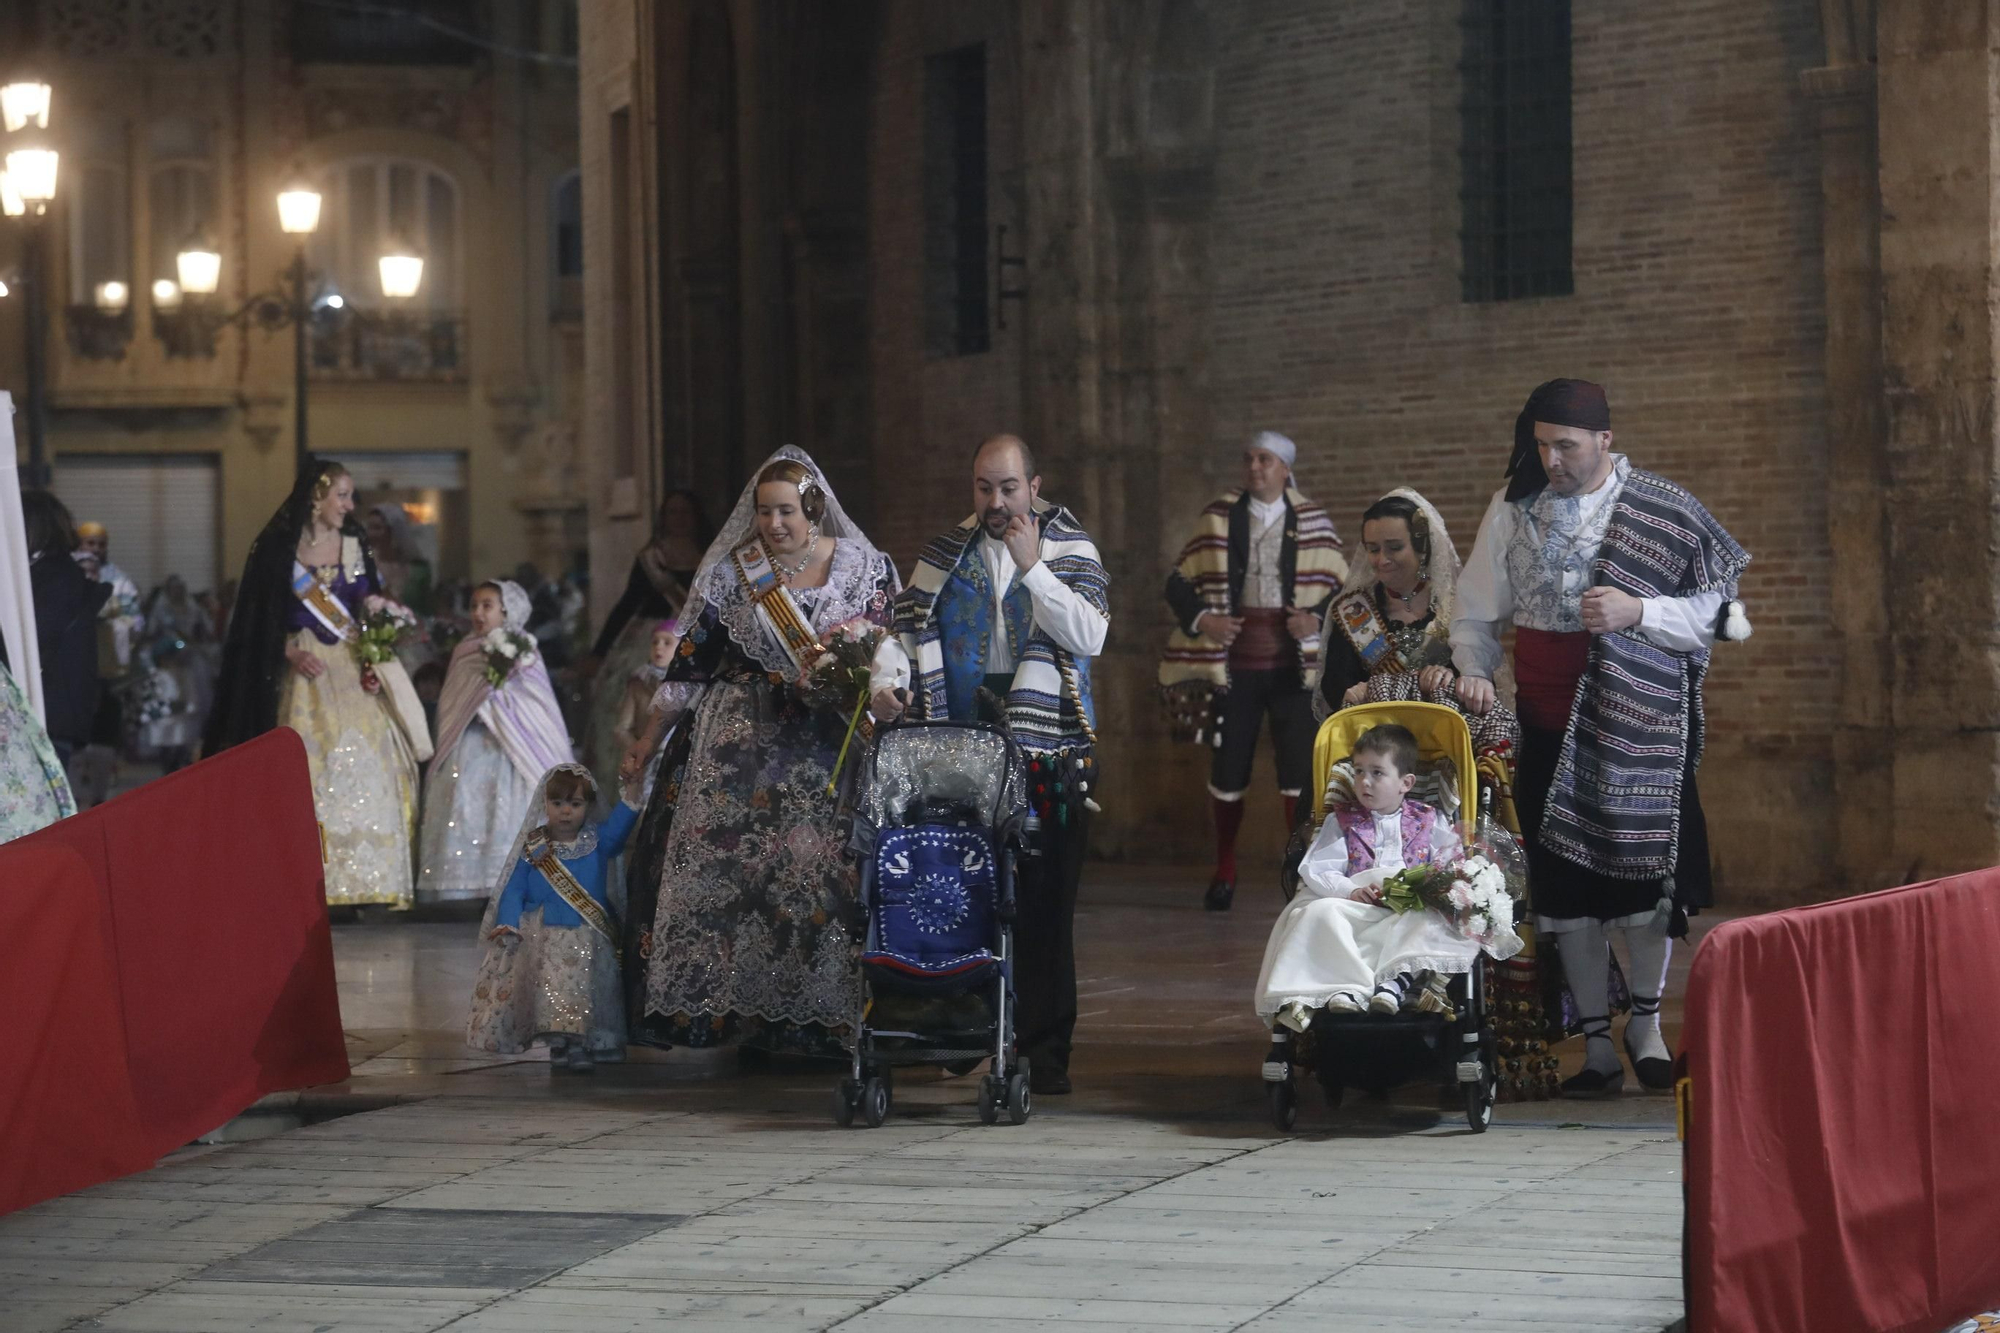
(253, 657)
(1575, 403)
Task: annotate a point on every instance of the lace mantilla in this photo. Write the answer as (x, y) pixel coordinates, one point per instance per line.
(855, 572)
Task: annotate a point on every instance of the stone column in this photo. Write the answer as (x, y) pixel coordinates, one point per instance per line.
(1843, 95)
(1936, 92)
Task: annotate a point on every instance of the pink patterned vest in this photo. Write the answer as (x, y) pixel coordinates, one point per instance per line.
(1358, 825)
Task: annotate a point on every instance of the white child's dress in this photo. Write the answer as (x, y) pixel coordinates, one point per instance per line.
(1326, 944)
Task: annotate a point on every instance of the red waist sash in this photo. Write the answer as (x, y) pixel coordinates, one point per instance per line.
(1264, 643)
(1547, 667)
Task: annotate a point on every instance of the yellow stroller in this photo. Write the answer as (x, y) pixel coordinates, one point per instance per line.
(1378, 1051)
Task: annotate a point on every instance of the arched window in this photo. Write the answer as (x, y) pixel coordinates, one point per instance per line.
(181, 192)
(373, 205)
(100, 211)
(566, 243)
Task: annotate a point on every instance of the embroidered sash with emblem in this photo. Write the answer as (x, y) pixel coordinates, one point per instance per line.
(775, 604)
(543, 857)
(324, 606)
(1364, 629)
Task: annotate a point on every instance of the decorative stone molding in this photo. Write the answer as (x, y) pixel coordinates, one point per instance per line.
(263, 418)
(513, 411)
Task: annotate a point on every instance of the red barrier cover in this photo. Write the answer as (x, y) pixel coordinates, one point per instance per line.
(1842, 1161)
(66, 1113)
(211, 912)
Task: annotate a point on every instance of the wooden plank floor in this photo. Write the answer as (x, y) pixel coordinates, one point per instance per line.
(676, 1191)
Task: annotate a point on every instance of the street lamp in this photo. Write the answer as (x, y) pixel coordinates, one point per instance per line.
(298, 215)
(25, 102)
(402, 273)
(27, 187)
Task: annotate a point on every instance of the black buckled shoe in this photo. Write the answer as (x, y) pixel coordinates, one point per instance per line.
(1221, 892)
(1590, 1083)
(1655, 1074)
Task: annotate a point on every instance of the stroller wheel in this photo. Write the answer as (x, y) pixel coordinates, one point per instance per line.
(991, 1093)
(875, 1102)
(843, 1103)
(1284, 1099)
(1019, 1106)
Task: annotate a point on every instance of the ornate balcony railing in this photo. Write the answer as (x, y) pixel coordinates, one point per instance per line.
(361, 345)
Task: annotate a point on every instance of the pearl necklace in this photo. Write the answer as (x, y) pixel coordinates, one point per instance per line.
(805, 560)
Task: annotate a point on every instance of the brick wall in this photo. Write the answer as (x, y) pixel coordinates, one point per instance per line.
(1335, 317)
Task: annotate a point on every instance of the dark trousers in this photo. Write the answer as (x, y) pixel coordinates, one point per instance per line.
(1560, 888)
(1252, 696)
(1045, 943)
(1045, 929)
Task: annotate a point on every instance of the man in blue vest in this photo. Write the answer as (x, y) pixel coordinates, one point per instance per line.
(1000, 620)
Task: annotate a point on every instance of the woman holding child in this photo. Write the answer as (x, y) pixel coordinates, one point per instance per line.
(741, 905)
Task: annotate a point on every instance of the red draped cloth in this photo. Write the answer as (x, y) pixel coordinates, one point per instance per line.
(1842, 1167)
(1547, 667)
(169, 963)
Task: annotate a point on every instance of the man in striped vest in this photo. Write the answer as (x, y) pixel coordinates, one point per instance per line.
(1617, 583)
(999, 622)
(1247, 596)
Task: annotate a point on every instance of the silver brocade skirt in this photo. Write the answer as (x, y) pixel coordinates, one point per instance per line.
(553, 981)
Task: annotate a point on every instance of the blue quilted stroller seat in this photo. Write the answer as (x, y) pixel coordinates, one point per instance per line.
(941, 818)
(936, 892)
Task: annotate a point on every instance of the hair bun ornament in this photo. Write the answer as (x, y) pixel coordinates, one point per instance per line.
(1735, 623)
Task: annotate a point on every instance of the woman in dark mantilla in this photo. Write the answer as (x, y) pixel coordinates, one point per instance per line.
(291, 660)
(741, 905)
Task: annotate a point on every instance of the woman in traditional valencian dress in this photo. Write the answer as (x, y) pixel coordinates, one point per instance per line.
(740, 903)
(291, 660)
(655, 591)
(1394, 618)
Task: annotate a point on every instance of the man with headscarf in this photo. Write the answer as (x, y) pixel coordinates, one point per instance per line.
(1001, 619)
(123, 612)
(1248, 594)
(1617, 583)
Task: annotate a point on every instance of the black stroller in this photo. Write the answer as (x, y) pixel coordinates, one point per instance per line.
(942, 817)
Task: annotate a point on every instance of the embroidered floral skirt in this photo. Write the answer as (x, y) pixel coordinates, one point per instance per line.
(363, 774)
(737, 867)
(552, 981)
(34, 790)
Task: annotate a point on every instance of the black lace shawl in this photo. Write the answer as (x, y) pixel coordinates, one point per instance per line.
(253, 656)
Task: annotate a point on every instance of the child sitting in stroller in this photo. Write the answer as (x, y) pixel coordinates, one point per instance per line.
(1336, 946)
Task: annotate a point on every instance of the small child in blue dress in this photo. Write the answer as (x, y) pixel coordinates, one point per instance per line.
(550, 971)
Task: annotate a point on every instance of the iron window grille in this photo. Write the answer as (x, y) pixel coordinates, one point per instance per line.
(1516, 196)
(957, 303)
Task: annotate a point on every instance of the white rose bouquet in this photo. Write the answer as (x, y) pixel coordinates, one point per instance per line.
(505, 649)
(1472, 895)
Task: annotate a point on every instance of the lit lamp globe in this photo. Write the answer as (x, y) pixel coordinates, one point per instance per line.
(402, 275)
(112, 296)
(166, 294)
(200, 270)
(31, 172)
(298, 211)
(23, 103)
(11, 202)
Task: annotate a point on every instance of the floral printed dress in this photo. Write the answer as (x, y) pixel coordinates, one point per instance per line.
(34, 792)
(741, 903)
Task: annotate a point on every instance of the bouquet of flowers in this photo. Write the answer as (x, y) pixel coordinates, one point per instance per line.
(384, 624)
(839, 679)
(505, 649)
(1472, 895)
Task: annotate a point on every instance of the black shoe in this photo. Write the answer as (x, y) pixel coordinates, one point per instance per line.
(1655, 1074)
(1590, 1083)
(1053, 1083)
(1221, 892)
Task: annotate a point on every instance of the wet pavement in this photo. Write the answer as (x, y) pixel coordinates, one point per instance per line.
(488, 1194)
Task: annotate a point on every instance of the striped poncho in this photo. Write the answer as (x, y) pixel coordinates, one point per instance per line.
(1313, 567)
(1637, 727)
(1049, 705)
